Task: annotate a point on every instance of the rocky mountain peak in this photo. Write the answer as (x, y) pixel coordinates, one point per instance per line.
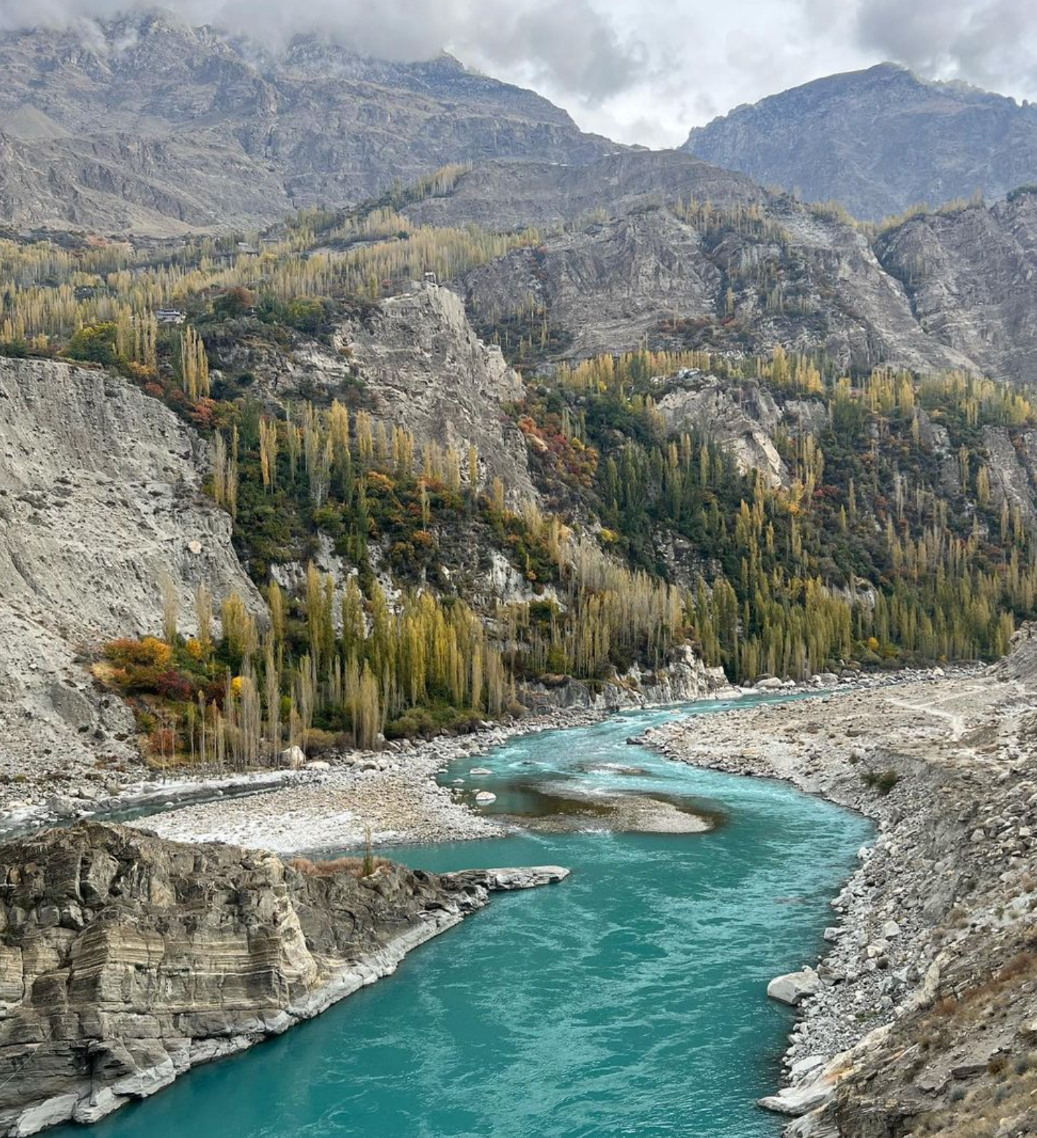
(250, 134)
(878, 140)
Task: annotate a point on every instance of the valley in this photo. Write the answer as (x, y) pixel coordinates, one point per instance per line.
(396, 479)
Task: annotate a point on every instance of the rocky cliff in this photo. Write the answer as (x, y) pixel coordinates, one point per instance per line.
(149, 125)
(878, 141)
(100, 501)
(424, 368)
(744, 270)
(412, 360)
(620, 260)
(741, 418)
(970, 275)
(125, 960)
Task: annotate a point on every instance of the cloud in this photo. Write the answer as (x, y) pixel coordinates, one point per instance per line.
(636, 70)
(991, 43)
(570, 45)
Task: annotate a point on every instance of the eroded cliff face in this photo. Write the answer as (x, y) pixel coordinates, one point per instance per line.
(413, 361)
(971, 275)
(100, 499)
(423, 368)
(759, 270)
(125, 960)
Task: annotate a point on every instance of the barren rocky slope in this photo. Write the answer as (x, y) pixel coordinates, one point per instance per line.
(925, 1009)
(878, 141)
(809, 283)
(100, 500)
(970, 276)
(148, 125)
(748, 269)
(126, 960)
(510, 195)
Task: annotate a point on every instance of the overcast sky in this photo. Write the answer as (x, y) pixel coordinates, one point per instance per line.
(645, 70)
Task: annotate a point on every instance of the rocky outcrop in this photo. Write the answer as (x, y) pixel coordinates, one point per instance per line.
(423, 368)
(971, 274)
(787, 275)
(1009, 477)
(740, 418)
(145, 124)
(879, 141)
(682, 680)
(126, 960)
(100, 499)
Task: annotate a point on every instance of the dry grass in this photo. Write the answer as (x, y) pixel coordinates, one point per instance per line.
(357, 867)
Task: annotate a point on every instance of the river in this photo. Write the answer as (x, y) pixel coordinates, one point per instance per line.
(628, 1000)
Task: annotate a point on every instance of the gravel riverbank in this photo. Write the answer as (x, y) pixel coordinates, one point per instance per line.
(336, 801)
(944, 767)
(391, 797)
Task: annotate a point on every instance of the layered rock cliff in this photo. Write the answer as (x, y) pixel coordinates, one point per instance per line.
(100, 502)
(125, 960)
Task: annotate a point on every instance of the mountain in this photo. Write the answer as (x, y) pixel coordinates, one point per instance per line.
(878, 141)
(149, 125)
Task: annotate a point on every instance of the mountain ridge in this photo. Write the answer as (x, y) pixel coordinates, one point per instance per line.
(877, 140)
(93, 126)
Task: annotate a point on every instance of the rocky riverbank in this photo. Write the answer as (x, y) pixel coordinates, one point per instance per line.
(389, 797)
(125, 960)
(927, 998)
(56, 790)
(392, 798)
(343, 798)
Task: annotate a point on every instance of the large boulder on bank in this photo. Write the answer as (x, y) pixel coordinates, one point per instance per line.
(794, 987)
(293, 758)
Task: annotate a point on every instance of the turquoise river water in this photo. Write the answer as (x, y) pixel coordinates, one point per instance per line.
(628, 1000)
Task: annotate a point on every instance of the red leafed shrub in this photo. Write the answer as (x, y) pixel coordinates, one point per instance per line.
(173, 686)
(204, 413)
